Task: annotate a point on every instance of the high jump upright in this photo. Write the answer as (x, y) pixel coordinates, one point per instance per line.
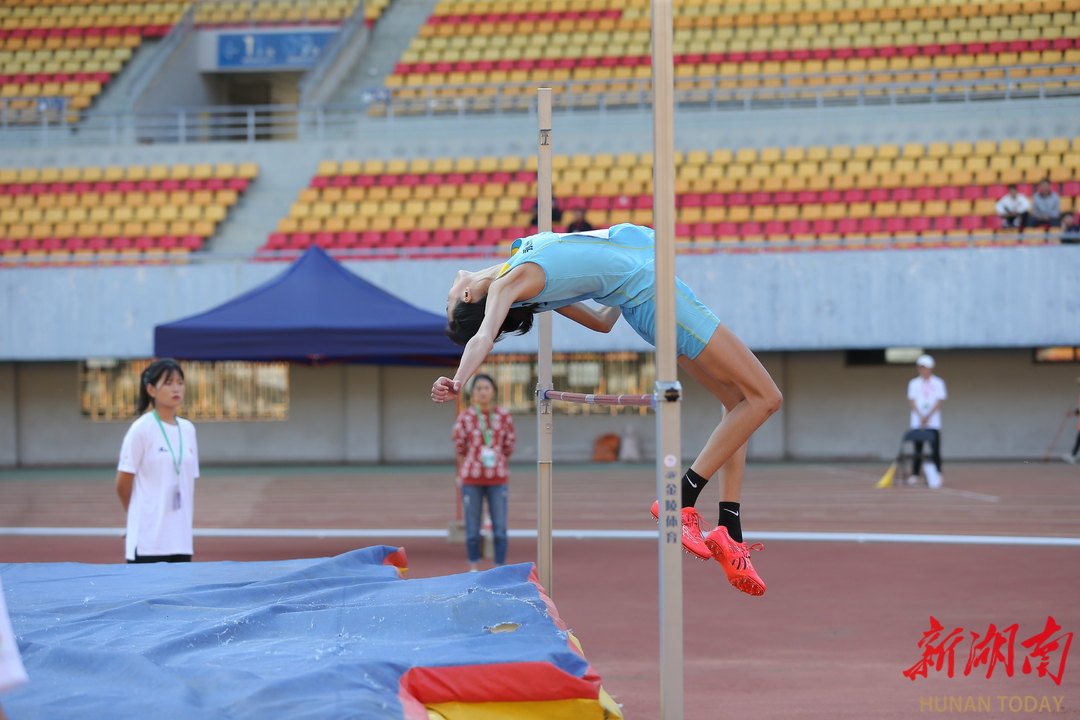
(667, 391)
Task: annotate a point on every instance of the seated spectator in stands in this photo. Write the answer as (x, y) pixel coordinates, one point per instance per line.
(579, 224)
(1045, 207)
(1070, 229)
(1013, 209)
(556, 215)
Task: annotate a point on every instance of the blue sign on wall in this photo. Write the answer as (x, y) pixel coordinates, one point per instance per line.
(271, 49)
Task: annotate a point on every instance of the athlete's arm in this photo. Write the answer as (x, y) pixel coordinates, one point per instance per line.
(599, 319)
(523, 282)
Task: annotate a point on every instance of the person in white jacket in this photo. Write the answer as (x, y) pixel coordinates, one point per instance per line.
(1013, 209)
(925, 394)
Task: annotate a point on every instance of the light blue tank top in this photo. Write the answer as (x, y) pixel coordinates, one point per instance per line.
(613, 267)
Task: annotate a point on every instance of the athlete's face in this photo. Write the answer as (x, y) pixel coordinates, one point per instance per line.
(925, 372)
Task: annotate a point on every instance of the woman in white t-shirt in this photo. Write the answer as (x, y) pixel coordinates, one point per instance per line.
(159, 462)
(925, 394)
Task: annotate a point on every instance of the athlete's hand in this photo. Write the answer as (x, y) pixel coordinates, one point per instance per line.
(445, 390)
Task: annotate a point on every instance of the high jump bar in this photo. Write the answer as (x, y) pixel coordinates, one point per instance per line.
(595, 399)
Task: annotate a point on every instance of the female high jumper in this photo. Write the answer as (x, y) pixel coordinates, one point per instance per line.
(615, 267)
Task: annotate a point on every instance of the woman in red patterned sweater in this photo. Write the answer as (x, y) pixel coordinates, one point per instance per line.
(484, 440)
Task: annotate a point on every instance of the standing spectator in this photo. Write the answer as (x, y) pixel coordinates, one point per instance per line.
(159, 462)
(925, 394)
(1045, 207)
(1070, 229)
(1013, 209)
(484, 440)
(579, 224)
(1074, 457)
(12, 672)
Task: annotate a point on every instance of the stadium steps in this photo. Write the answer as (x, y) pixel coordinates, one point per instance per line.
(396, 28)
(284, 169)
(114, 98)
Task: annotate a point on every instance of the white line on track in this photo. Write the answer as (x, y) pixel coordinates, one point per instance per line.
(569, 534)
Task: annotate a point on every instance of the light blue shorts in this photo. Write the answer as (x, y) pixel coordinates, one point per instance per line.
(696, 322)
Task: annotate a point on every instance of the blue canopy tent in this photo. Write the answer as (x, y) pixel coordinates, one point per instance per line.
(315, 312)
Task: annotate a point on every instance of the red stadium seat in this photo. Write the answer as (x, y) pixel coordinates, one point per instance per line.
(824, 226)
(417, 238)
(848, 226)
(799, 228)
(300, 241)
(277, 241)
(945, 223)
(370, 238)
(775, 229)
(872, 225)
(919, 224)
(750, 229)
(896, 225)
(726, 230)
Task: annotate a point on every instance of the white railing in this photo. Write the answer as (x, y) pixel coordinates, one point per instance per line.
(979, 240)
(347, 121)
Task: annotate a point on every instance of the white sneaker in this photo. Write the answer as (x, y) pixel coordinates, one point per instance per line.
(1071, 459)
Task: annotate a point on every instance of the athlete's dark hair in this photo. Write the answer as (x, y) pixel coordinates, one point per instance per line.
(165, 367)
(466, 318)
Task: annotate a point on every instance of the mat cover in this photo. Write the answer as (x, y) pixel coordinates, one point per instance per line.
(341, 637)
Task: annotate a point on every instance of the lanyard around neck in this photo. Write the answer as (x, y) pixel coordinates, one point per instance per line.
(482, 421)
(177, 461)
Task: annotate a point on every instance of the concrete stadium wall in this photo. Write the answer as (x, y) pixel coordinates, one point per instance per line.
(975, 298)
(1001, 406)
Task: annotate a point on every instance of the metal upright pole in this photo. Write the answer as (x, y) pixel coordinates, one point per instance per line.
(668, 453)
(543, 355)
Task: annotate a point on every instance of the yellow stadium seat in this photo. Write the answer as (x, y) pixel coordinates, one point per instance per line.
(248, 171)
(1009, 147)
(374, 167)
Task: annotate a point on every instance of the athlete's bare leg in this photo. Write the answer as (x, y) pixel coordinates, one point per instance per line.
(728, 369)
(731, 472)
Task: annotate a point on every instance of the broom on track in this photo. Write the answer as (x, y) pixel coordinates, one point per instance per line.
(887, 478)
